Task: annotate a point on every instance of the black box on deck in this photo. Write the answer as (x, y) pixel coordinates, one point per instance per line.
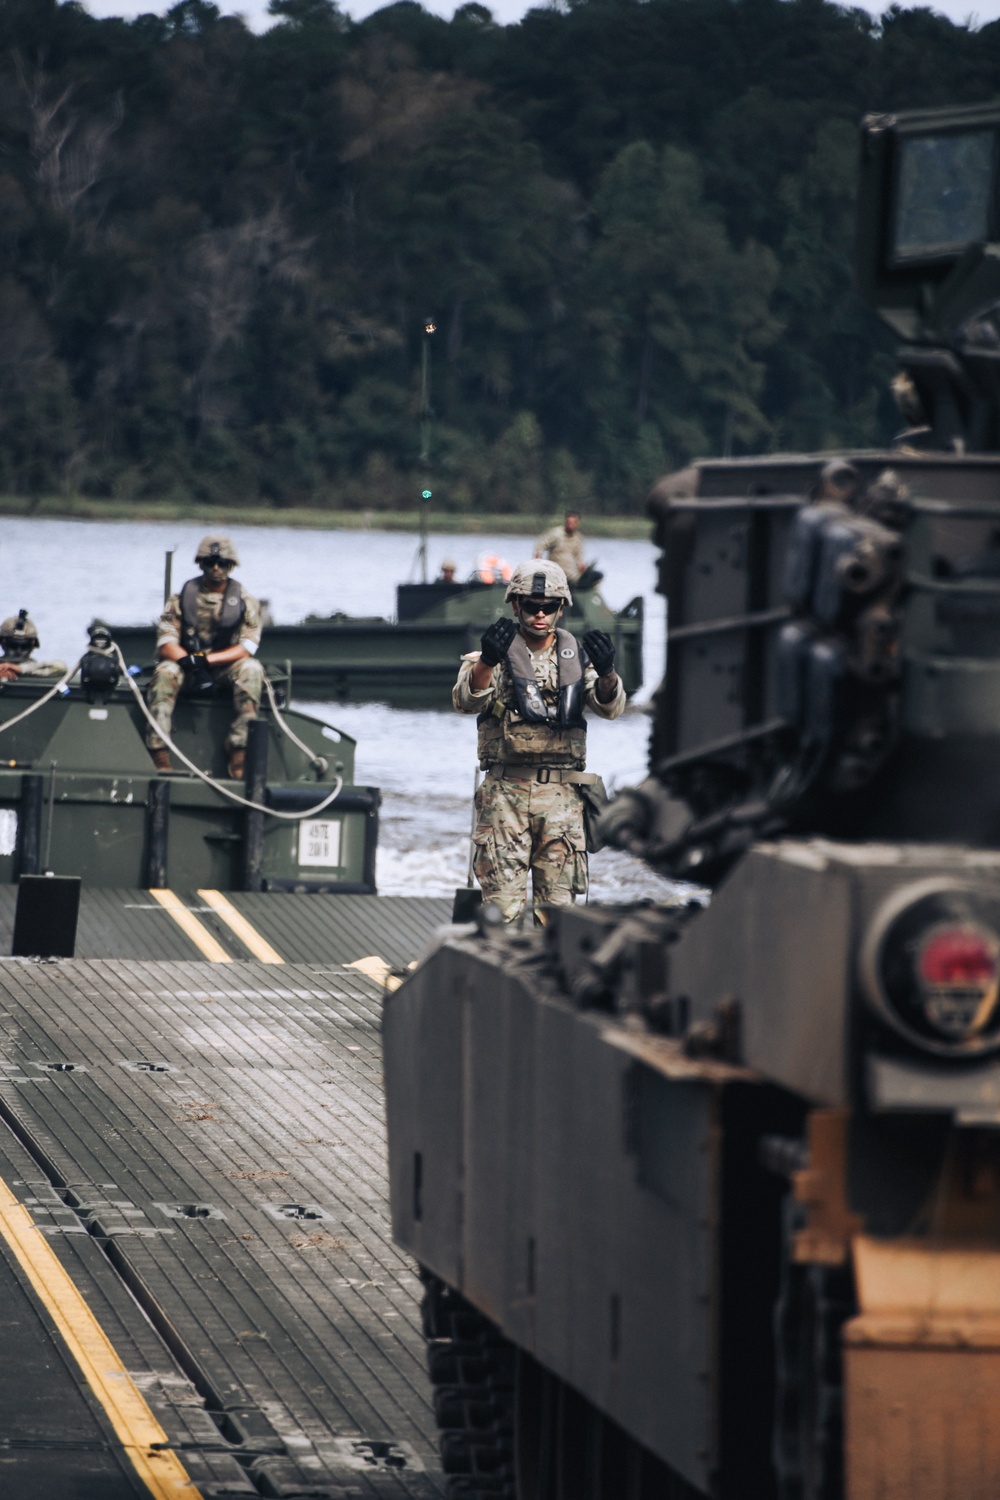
(46, 915)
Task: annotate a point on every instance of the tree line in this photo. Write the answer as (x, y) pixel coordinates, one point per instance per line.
(630, 222)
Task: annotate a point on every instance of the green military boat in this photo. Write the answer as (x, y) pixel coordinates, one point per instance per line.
(79, 795)
(411, 661)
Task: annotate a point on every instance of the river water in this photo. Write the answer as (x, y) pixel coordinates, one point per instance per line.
(66, 572)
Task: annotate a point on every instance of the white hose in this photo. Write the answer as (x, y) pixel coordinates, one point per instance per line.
(319, 761)
(9, 723)
(288, 817)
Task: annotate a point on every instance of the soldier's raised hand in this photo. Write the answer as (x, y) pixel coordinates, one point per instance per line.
(496, 641)
(601, 649)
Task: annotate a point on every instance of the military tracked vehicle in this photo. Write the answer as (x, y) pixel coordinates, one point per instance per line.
(411, 661)
(706, 1199)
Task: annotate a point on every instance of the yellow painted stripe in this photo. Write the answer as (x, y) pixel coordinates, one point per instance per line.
(378, 969)
(372, 967)
(237, 922)
(195, 930)
(135, 1426)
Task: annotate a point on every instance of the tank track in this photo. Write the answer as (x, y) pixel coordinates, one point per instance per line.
(472, 1369)
(813, 1304)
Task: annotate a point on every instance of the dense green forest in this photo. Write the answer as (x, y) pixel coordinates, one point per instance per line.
(630, 220)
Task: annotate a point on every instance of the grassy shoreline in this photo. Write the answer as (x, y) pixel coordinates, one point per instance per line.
(79, 508)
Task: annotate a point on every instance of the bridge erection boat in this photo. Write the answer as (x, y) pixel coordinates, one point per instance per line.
(79, 795)
(412, 661)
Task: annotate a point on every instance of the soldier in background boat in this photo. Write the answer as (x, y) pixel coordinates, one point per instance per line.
(529, 685)
(208, 636)
(564, 545)
(18, 639)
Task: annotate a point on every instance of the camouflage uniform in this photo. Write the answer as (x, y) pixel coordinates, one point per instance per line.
(18, 640)
(566, 550)
(526, 824)
(246, 677)
(33, 668)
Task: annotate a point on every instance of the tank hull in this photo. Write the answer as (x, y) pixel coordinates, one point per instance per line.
(571, 1182)
(657, 1155)
(669, 1236)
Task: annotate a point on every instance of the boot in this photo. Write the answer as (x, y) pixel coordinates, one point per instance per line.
(161, 760)
(236, 759)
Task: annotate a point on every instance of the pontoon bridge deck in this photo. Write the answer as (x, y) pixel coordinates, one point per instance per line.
(199, 1292)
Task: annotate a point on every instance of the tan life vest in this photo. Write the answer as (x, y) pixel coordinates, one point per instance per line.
(226, 629)
(530, 726)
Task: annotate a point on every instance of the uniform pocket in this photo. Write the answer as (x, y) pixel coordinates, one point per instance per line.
(484, 858)
(595, 800)
(576, 864)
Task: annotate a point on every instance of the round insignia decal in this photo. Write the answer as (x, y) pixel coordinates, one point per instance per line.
(931, 967)
(568, 652)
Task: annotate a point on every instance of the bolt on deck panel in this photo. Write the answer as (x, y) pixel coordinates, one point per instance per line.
(221, 1131)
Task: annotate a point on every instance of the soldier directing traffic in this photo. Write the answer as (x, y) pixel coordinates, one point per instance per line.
(529, 685)
(19, 640)
(208, 635)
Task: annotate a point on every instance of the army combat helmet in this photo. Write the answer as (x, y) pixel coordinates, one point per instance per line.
(538, 580)
(18, 636)
(217, 547)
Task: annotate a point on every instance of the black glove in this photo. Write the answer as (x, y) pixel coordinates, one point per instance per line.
(601, 649)
(198, 674)
(496, 641)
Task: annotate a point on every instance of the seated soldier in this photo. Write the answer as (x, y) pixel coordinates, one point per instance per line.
(18, 639)
(208, 635)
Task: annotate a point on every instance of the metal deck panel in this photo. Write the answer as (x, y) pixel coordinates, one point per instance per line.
(341, 929)
(273, 1097)
(333, 929)
(112, 924)
(52, 1437)
(55, 1440)
(127, 924)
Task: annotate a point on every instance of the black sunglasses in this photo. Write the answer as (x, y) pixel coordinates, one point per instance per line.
(216, 562)
(540, 606)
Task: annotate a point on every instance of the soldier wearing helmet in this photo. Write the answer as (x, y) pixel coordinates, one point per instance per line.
(18, 640)
(208, 636)
(529, 686)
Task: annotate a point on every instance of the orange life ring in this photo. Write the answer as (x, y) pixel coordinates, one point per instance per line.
(493, 569)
